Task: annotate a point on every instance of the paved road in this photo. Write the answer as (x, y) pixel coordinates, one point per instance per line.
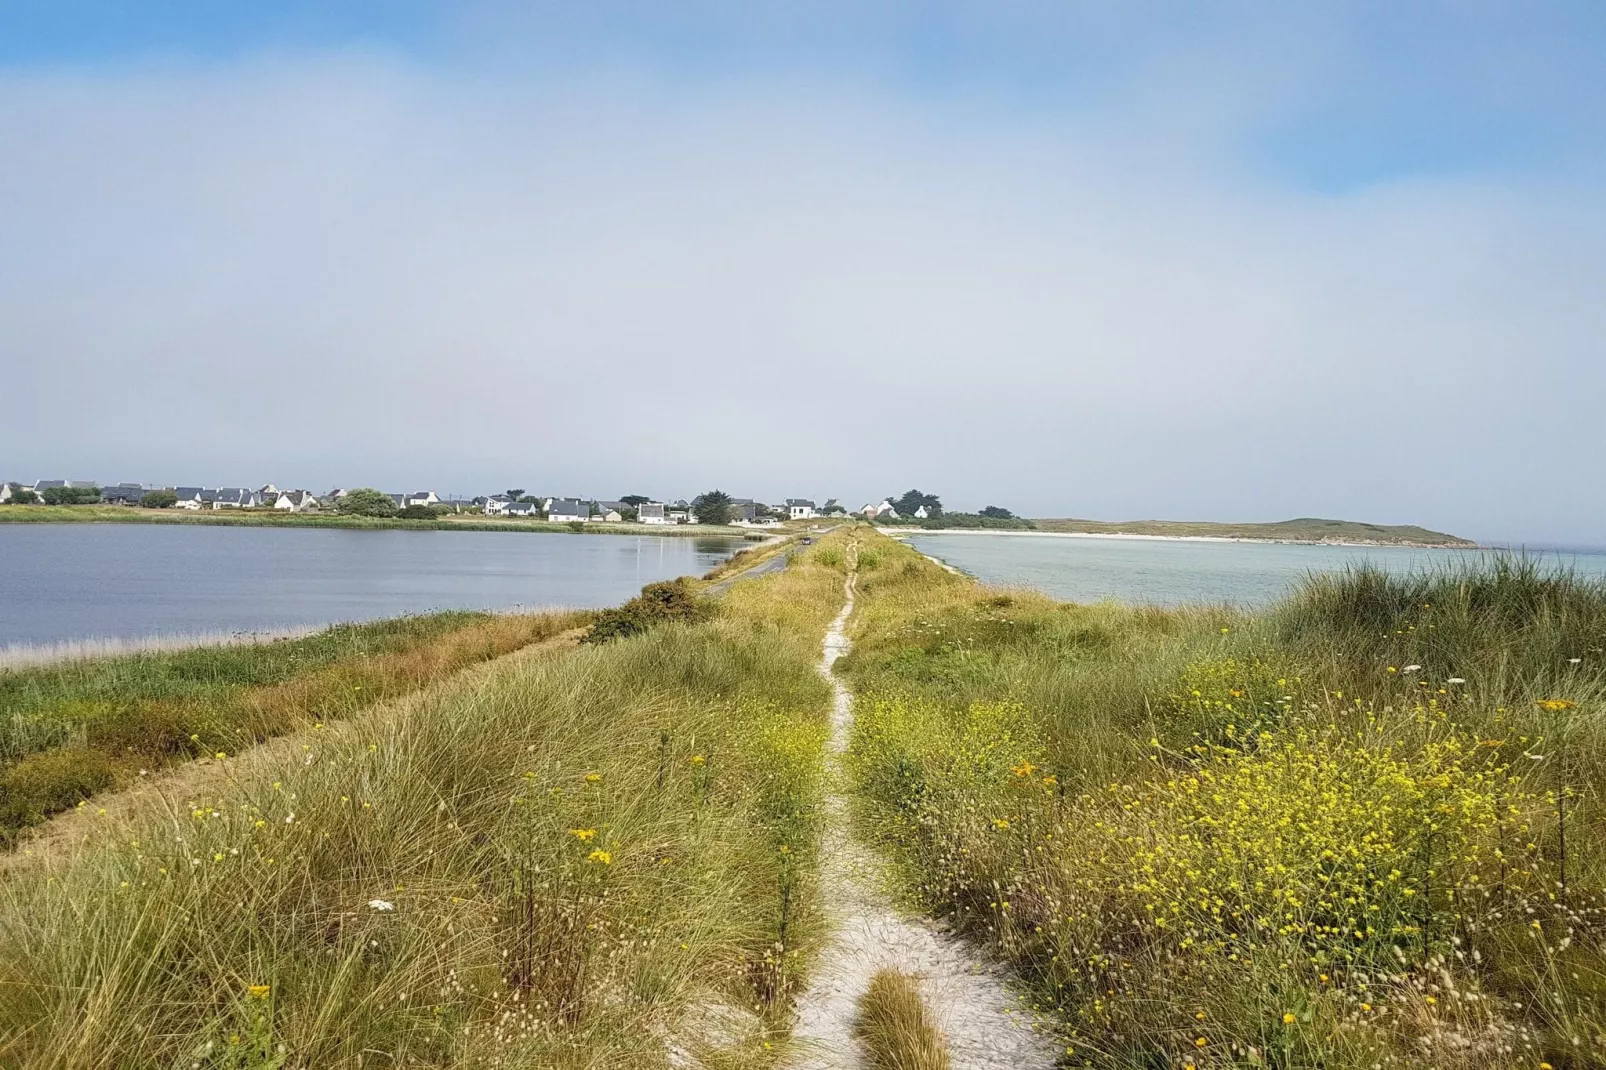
(768, 565)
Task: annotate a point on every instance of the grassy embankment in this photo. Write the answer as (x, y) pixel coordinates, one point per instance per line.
(1305, 529)
(71, 730)
(266, 518)
(1361, 829)
(580, 858)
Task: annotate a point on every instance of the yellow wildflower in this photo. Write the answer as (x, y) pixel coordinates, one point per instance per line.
(593, 778)
(1288, 1018)
(600, 857)
(698, 759)
(259, 991)
(1555, 705)
(583, 835)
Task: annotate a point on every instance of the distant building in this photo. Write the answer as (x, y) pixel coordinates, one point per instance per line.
(420, 497)
(235, 498)
(192, 497)
(497, 504)
(799, 508)
(296, 501)
(832, 508)
(920, 513)
(568, 509)
(651, 513)
(122, 494)
(522, 509)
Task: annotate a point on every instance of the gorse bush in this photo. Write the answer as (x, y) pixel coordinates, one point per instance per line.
(1204, 846)
(658, 603)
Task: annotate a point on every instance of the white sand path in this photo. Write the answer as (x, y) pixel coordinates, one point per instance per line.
(966, 993)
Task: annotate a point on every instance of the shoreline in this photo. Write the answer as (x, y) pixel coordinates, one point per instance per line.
(23, 515)
(1358, 543)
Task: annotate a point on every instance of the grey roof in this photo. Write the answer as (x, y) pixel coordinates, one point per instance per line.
(646, 509)
(237, 495)
(799, 501)
(568, 507)
(122, 493)
(190, 494)
(46, 484)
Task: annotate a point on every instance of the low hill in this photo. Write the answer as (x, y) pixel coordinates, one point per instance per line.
(1304, 529)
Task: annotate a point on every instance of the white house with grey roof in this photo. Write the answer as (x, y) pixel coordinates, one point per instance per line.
(568, 509)
(651, 513)
(799, 508)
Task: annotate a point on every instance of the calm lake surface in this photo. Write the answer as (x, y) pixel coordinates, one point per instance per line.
(78, 581)
(1167, 572)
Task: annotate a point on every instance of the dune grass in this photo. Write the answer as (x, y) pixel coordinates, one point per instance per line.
(1361, 829)
(71, 730)
(895, 1027)
(585, 857)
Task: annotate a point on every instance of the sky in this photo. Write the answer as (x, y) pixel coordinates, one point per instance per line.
(1117, 261)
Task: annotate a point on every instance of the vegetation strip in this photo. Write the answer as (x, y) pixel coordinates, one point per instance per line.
(1362, 829)
(70, 731)
(602, 857)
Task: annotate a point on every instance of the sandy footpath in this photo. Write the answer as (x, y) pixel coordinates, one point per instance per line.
(966, 993)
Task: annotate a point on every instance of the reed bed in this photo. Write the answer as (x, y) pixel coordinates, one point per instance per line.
(1359, 830)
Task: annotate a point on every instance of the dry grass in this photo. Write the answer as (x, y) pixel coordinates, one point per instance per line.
(896, 1028)
(566, 861)
(73, 731)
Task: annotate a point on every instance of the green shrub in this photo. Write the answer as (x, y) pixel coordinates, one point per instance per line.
(366, 501)
(50, 782)
(417, 512)
(158, 499)
(657, 603)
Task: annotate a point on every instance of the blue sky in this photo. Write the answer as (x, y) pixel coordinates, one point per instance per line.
(1110, 260)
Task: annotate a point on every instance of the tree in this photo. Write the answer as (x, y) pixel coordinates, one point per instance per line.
(23, 496)
(416, 512)
(635, 500)
(366, 501)
(71, 495)
(913, 499)
(515, 493)
(713, 507)
(158, 499)
(997, 512)
(529, 499)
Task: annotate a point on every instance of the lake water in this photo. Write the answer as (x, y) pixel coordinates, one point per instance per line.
(61, 582)
(1172, 572)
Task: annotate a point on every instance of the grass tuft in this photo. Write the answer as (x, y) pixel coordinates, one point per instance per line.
(896, 1028)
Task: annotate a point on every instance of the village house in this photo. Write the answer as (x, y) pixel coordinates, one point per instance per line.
(235, 498)
(833, 508)
(496, 504)
(527, 509)
(296, 501)
(122, 494)
(651, 513)
(420, 497)
(568, 509)
(192, 497)
(799, 509)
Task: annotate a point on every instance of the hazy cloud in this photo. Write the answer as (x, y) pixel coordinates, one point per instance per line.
(335, 267)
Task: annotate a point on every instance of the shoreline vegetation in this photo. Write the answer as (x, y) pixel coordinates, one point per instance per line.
(1362, 828)
(593, 857)
(115, 514)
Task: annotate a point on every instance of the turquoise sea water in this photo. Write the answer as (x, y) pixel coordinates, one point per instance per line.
(1172, 572)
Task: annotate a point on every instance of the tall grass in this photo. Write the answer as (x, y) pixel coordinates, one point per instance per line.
(68, 731)
(575, 861)
(1360, 830)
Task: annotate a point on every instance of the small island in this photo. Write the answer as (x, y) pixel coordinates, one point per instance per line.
(1302, 530)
